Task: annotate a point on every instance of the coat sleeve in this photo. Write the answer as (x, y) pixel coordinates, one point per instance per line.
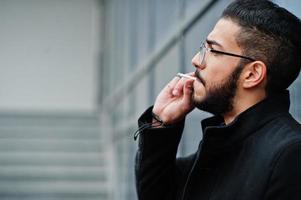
(156, 163)
(285, 181)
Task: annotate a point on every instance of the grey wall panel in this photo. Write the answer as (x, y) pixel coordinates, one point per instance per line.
(49, 54)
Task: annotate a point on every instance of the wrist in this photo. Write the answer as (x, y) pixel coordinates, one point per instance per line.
(157, 121)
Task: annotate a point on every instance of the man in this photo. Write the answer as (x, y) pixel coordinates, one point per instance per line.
(251, 147)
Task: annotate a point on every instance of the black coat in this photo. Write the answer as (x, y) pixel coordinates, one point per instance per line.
(257, 156)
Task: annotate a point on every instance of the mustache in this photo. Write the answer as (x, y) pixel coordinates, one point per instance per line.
(199, 77)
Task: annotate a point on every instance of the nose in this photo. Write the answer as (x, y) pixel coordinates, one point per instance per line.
(196, 61)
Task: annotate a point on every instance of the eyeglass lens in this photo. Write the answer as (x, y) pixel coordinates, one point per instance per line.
(202, 54)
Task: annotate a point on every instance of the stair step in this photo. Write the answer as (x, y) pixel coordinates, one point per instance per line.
(55, 173)
(50, 132)
(53, 145)
(54, 197)
(52, 159)
(46, 119)
(55, 188)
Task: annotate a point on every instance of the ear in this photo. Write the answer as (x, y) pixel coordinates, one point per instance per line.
(254, 75)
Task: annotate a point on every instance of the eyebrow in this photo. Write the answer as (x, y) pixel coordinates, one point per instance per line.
(213, 42)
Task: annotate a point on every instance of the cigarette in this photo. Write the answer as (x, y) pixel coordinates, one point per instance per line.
(186, 76)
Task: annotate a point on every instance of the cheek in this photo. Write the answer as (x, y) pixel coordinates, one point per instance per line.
(216, 75)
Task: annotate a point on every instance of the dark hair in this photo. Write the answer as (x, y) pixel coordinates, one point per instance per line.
(271, 34)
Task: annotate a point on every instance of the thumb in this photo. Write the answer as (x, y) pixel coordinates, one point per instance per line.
(188, 90)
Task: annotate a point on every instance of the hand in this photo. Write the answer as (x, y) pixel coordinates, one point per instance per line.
(175, 100)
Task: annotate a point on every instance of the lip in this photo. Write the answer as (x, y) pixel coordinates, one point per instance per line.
(199, 77)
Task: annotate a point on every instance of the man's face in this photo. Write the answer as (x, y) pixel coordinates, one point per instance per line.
(219, 74)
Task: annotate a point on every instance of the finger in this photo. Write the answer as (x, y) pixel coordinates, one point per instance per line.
(178, 89)
(188, 90)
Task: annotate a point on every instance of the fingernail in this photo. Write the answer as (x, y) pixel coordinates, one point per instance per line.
(175, 92)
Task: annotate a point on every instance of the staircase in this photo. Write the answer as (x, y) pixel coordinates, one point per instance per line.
(52, 157)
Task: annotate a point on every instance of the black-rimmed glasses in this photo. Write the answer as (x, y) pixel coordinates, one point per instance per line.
(203, 50)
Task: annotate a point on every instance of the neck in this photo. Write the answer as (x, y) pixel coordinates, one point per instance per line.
(241, 103)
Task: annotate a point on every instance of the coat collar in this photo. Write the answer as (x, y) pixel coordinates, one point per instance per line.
(216, 135)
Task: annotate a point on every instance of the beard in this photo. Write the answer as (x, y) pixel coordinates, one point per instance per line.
(219, 98)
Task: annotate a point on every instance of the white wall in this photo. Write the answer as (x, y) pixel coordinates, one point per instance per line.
(49, 54)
